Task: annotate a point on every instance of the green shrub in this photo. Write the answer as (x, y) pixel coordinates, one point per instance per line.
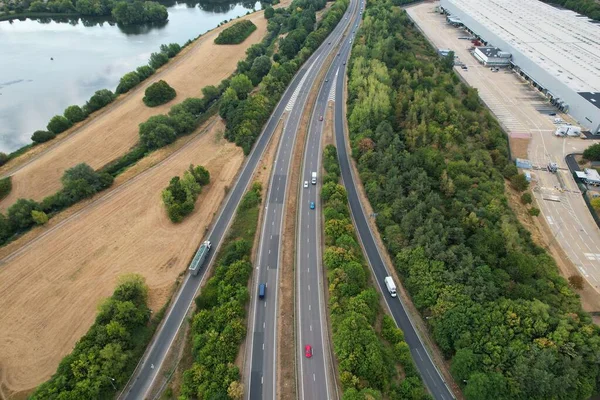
(171, 50)
(58, 124)
(157, 60)
(3, 158)
(157, 132)
(42, 136)
(519, 182)
(144, 72)
(180, 196)
(236, 33)
(526, 198)
(128, 82)
(5, 186)
(534, 211)
(74, 114)
(19, 214)
(100, 99)
(39, 217)
(592, 153)
(159, 93)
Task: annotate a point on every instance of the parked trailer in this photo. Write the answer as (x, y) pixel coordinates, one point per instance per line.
(199, 258)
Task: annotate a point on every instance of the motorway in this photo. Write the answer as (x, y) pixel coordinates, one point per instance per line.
(430, 374)
(262, 347)
(311, 323)
(148, 368)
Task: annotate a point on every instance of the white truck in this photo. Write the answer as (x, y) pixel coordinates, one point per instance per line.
(199, 257)
(313, 180)
(391, 286)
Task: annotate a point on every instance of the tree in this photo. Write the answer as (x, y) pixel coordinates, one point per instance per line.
(595, 202)
(159, 93)
(526, 198)
(519, 182)
(201, 174)
(82, 181)
(58, 124)
(576, 281)
(448, 61)
(39, 217)
(235, 390)
(171, 50)
(260, 67)
(157, 60)
(269, 12)
(144, 72)
(242, 85)
(210, 93)
(74, 113)
(128, 81)
(592, 153)
(534, 211)
(158, 136)
(19, 214)
(100, 99)
(3, 158)
(38, 6)
(42, 136)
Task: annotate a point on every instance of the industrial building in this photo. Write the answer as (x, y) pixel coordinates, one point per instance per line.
(492, 56)
(557, 50)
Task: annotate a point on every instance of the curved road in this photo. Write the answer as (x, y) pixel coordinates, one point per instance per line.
(147, 370)
(262, 347)
(429, 372)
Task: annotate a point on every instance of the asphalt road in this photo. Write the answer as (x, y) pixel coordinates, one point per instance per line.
(430, 374)
(311, 324)
(147, 370)
(263, 336)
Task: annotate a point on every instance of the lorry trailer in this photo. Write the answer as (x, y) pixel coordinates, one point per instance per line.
(199, 257)
(391, 286)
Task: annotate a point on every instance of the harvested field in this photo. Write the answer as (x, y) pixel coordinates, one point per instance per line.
(51, 287)
(113, 131)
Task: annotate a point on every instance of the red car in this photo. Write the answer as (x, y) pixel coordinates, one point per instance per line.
(308, 351)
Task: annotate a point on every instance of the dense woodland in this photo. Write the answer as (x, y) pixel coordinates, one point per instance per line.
(373, 358)
(104, 358)
(433, 162)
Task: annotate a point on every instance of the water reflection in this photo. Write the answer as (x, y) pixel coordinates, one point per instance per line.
(49, 64)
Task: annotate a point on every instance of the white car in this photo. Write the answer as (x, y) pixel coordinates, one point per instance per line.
(305, 184)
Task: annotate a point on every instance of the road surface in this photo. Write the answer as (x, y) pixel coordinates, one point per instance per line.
(262, 346)
(311, 324)
(430, 374)
(147, 370)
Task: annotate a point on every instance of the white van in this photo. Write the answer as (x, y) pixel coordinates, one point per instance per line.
(313, 180)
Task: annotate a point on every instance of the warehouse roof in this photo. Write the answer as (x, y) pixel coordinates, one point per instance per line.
(561, 41)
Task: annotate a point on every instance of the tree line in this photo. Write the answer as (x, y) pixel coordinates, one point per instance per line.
(106, 355)
(219, 324)
(123, 12)
(180, 196)
(434, 162)
(589, 8)
(236, 33)
(370, 359)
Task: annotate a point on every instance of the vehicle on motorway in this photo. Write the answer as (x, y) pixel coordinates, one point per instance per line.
(308, 352)
(313, 179)
(344, 62)
(321, 118)
(391, 286)
(329, 43)
(262, 290)
(312, 205)
(326, 80)
(305, 184)
(199, 257)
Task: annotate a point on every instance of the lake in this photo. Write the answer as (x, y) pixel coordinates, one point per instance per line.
(88, 55)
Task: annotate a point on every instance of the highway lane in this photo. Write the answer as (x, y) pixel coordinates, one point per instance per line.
(148, 367)
(263, 338)
(311, 323)
(430, 374)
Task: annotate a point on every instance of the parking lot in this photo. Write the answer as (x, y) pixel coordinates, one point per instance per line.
(525, 116)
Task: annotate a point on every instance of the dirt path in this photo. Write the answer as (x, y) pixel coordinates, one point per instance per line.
(49, 292)
(112, 132)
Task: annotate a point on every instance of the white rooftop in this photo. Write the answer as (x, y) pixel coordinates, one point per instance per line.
(563, 43)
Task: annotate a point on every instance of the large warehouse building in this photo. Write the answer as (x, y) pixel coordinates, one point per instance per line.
(557, 50)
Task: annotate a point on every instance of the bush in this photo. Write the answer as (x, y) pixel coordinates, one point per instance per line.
(533, 211)
(592, 153)
(519, 182)
(576, 282)
(100, 99)
(157, 60)
(180, 196)
(157, 132)
(526, 198)
(74, 114)
(144, 72)
(58, 124)
(159, 93)
(39, 217)
(42, 136)
(3, 158)
(19, 214)
(128, 82)
(171, 50)
(5, 186)
(236, 33)
(82, 181)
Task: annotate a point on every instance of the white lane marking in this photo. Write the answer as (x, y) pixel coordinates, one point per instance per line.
(311, 328)
(263, 347)
(314, 378)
